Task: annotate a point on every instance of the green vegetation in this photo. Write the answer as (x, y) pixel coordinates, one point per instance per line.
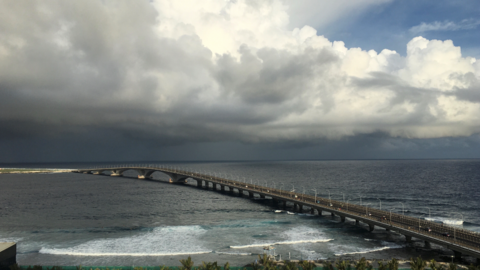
(266, 262)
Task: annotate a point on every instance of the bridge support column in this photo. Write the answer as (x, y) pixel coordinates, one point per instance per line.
(222, 188)
(199, 183)
(250, 194)
(387, 230)
(371, 227)
(300, 208)
(115, 173)
(312, 211)
(230, 189)
(357, 222)
(408, 238)
(427, 244)
(284, 204)
(332, 214)
(262, 196)
(240, 192)
(319, 212)
(458, 255)
(294, 207)
(275, 201)
(342, 219)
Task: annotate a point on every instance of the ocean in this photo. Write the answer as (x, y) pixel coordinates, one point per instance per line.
(79, 219)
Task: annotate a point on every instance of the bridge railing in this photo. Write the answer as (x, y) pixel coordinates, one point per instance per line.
(402, 221)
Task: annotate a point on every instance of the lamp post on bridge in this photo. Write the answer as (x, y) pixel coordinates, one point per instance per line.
(366, 209)
(347, 203)
(380, 203)
(429, 216)
(454, 236)
(391, 215)
(343, 197)
(303, 195)
(419, 221)
(403, 208)
(281, 188)
(314, 189)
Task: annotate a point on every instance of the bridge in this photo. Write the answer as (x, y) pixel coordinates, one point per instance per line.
(459, 240)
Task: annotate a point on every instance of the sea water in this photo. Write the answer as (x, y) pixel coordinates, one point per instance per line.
(79, 219)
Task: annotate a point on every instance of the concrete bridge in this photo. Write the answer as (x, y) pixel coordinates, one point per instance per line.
(460, 241)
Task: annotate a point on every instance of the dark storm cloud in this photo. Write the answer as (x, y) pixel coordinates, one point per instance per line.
(79, 72)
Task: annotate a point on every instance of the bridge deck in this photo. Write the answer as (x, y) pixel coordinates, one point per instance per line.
(460, 240)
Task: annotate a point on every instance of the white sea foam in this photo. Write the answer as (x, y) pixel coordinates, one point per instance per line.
(446, 220)
(283, 243)
(162, 241)
(234, 253)
(298, 235)
(73, 253)
(362, 251)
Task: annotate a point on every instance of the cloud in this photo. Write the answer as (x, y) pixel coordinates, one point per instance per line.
(445, 26)
(173, 72)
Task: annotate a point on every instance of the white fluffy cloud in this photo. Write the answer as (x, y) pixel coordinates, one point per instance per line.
(220, 70)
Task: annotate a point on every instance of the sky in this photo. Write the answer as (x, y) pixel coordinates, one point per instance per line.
(165, 80)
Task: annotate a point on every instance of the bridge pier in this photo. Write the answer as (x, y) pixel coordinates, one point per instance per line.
(294, 206)
(300, 208)
(458, 255)
(275, 201)
(199, 183)
(371, 227)
(250, 194)
(427, 244)
(230, 189)
(408, 238)
(222, 188)
(332, 214)
(342, 219)
(357, 222)
(284, 204)
(116, 173)
(319, 212)
(312, 211)
(262, 196)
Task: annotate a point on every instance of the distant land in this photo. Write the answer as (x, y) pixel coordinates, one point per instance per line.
(30, 170)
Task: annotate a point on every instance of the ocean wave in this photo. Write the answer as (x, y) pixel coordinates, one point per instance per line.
(389, 246)
(161, 241)
(446, 220)
(362, 251)
(283, 243)
(74, 253)
(234, 253)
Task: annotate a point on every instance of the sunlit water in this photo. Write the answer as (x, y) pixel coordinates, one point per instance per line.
(73, 219)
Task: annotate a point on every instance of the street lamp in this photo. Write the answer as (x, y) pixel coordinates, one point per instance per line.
(391, 215)
(366, 209)
(429, 216)
(380, 203)
(343, 197)
(281, 188)
(454, 238)
(314, 189)
(403, 208)
(419, 222)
